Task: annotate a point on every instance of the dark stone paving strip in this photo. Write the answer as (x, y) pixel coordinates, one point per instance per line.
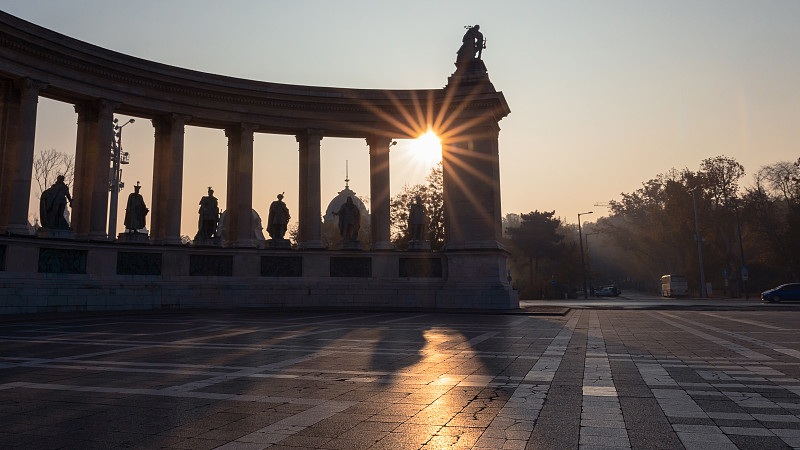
(647, 425)
(559, 422)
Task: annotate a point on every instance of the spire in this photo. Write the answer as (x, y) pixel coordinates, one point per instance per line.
(346, 174)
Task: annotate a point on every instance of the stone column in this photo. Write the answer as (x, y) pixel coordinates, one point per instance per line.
(239, 215)
(380, 218)
(165, 215)
(309, 232)
(471, 177)
(20, 99)
(92, 162)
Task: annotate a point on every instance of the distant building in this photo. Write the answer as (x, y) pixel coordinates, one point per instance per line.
(258, 227)
(339, 200)
(331, 236)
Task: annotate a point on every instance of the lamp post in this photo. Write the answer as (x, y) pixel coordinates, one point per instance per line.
(117, 159)
(580, 242)
(703, 292)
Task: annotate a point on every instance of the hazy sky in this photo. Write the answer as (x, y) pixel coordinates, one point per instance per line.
(603, 94)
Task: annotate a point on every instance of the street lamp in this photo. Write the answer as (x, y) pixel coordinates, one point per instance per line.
(118, 157)
(580, 242)
(703, 292)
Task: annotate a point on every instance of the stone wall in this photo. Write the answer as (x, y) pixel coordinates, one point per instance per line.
(45, 275)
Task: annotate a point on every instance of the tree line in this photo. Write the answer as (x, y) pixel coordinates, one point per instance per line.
(650, 232)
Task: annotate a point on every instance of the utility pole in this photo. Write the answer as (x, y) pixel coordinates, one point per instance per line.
(118, 157)
(743, 269)
(703, 292)
(589, 262)
(580, 243)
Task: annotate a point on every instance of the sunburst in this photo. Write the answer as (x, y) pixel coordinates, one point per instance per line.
(428, 148)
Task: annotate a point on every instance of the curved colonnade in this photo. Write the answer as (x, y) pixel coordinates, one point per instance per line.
(35, 62)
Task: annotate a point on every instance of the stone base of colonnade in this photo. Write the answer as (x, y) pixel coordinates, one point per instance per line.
(477, 279)
(60, 275)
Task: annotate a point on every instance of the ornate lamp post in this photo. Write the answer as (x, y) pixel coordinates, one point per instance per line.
(118, 157)
(580, 242)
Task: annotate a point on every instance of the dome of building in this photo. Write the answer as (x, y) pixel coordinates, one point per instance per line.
(340, 200)
(258, 234)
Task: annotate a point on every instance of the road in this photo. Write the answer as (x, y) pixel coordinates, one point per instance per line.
(641, 300)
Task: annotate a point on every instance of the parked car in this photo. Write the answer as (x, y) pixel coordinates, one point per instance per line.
(790, 291)
(607, 291)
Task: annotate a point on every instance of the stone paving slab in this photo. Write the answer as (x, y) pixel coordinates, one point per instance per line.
(419, 380)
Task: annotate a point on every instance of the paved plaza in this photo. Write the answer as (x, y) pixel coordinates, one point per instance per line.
(250, 380)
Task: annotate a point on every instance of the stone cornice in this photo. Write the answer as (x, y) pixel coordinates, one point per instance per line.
(76, 71)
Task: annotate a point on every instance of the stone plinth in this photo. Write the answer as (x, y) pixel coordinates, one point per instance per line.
(133, 238)
(278, 243)
(56, 233)
(351, 245)
(418, 246)
(207, 242)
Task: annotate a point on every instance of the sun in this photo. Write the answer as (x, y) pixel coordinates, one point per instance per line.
(428, 148)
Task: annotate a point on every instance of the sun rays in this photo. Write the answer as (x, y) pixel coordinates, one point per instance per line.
(454, 126)
(428, 148)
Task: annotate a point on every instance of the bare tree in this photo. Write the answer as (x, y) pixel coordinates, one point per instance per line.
(782, 179)
(51, 163)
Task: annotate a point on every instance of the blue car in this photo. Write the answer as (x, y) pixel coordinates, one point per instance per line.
(783, 292)
(607, 291)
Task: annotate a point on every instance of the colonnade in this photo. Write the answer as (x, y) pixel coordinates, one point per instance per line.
(35, 61)
(90, 191)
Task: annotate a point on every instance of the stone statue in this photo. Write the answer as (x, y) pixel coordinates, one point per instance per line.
(278, 218)
(136, 211)
(53, 203)
(349, 220)
(417, 220)
(472, 45)
(209, 216)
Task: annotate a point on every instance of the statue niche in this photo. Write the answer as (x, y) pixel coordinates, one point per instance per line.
(208, 223)
(277, 222)
(53, 204)
(349, 224)
(135, 211)
(135, 215)
(417, 224)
